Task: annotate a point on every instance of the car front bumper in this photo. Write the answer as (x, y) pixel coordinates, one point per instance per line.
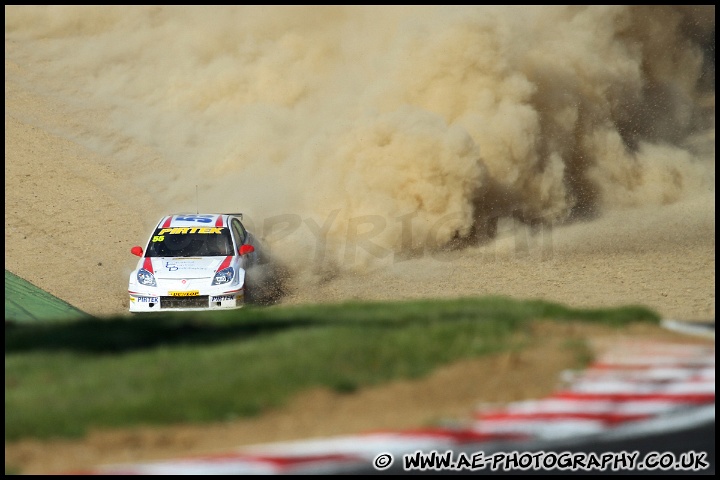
(145, 302)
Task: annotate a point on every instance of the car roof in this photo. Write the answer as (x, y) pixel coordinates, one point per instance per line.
(197, 220)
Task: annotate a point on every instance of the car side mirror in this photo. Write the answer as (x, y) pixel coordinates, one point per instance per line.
(137, 251)
(245, 249)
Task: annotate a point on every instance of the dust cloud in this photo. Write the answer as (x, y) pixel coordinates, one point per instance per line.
(350, 135)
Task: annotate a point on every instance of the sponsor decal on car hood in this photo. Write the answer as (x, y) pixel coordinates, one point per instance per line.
(186, 267)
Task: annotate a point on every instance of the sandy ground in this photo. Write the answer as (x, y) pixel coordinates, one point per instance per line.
(76, 200)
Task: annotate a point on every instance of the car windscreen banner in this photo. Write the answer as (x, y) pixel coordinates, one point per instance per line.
(190, 242)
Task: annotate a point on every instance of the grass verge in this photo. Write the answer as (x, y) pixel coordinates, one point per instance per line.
(62, 378)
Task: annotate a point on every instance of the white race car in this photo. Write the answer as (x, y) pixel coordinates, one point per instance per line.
(194, 262)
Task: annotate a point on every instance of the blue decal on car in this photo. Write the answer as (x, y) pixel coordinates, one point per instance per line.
(195, 218)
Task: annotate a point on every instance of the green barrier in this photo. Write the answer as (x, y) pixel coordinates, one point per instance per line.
(25, 302)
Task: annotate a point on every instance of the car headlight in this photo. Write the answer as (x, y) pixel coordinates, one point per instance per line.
(224, 276)
(146, 278)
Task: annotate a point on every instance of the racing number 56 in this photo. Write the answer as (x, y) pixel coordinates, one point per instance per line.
(195, 218)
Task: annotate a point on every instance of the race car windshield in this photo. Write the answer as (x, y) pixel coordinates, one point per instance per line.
(190, 242)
